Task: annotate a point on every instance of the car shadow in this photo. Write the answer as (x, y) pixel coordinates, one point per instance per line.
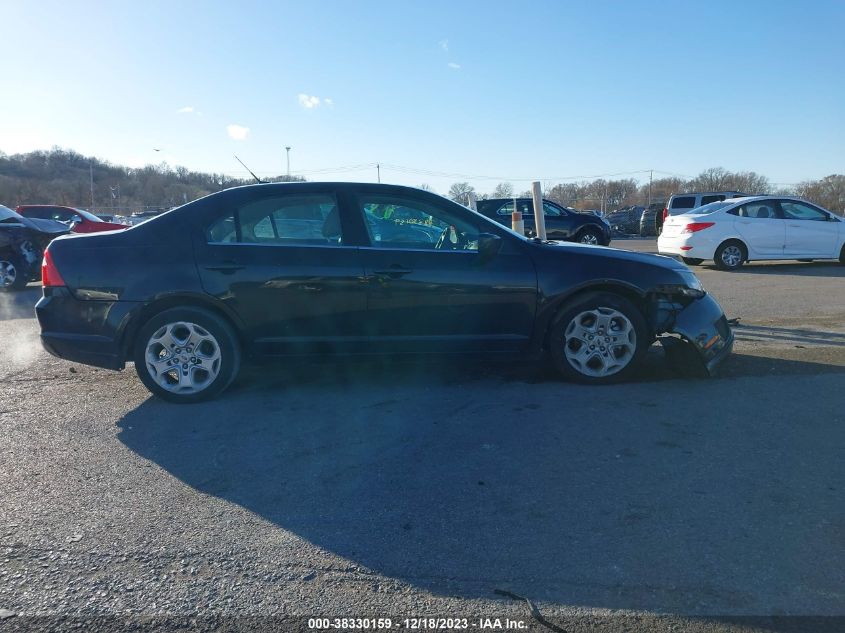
(462, 481)
(796, 337)
(19, 304)
(825, 268)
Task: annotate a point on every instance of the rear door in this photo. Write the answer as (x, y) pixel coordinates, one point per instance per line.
(809, 231)
(761, 227)
(429, 290)
(283, 264)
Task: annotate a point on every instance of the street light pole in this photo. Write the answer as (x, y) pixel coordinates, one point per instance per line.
(287, 149)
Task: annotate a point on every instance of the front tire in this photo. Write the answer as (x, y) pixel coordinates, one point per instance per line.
(186, 355)
(598, 338)
(13, 275)
(730, 255)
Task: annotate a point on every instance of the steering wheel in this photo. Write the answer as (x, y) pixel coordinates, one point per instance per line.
(451, 239)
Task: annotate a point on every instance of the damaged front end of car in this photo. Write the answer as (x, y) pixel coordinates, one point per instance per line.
(691, 326)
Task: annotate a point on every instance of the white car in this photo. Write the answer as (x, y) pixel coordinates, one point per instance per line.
(755, 228)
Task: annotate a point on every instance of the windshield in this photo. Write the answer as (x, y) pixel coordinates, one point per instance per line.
(710, 208)
(8, 216)
(88, 216)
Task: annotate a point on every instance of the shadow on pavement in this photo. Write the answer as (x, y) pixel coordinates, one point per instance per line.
(637, 496)
(826, 268)
(783, 335)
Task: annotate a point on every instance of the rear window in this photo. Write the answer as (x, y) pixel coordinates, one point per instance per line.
(683, 202)
(710, 208)
(709, 199)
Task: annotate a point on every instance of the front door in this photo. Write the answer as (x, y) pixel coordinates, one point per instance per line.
(281, 264)
(809, 232)
(430, 290)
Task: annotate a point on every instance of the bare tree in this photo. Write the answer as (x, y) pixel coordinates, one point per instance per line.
(503, 190)
(828, 192)
(459, 192)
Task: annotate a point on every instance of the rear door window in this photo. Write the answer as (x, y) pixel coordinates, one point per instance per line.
(683, 202)
(763, 210)
(311, 219)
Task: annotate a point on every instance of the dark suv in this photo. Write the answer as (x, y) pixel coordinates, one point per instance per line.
(561, 223)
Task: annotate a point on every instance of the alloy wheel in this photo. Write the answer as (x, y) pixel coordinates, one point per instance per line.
(183, 357)
(8, 274)
(600, 342)
(589, 238)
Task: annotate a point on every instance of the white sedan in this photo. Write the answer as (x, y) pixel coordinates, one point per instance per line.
(754, 228)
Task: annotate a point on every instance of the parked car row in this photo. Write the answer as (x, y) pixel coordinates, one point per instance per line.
(562, 223)
(734, 231)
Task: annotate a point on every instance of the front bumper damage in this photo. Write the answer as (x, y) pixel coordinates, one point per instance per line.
(696, 335)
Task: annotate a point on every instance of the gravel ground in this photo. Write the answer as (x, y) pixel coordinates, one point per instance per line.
(400, 489)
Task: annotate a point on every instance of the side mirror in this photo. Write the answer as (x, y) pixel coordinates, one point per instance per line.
(489, 245)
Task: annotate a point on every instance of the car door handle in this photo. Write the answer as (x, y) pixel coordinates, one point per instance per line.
(227, 267)
(394, 271)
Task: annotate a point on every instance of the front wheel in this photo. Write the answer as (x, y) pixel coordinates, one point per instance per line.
(598, 338)
(589, 236)
(187, 355)
(13, 276)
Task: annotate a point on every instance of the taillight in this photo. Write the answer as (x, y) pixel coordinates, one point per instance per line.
(50, 277)
(665, 213)
(692, 227)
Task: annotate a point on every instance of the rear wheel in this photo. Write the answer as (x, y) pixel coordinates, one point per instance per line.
(598, 338)
(842, 255)
(13, 276)
(187, 355)
(692, 261)
(589, 236)
(730, 255)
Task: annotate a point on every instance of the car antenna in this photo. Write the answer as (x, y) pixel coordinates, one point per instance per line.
(257, 179)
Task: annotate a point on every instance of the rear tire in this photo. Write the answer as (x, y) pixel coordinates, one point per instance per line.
(598, 338)
(13, 275)
(589, 236)
(730, 255)
(692, 261)
(842, 255)
(186, 355)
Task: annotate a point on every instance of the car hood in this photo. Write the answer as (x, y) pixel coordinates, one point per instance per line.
(47, 226)
(606, 252)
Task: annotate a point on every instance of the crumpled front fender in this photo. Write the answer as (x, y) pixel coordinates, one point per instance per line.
(706, 337)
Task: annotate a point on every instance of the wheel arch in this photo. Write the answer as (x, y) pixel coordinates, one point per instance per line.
(180, 300)
(552, 310)
(738, 240)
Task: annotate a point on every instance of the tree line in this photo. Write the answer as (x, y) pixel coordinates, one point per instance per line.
(65, 177)
(829, 192)
(60, 176)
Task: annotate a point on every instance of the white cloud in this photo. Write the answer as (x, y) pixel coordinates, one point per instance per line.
(454, 66)
(328, 102)
(308, 101)
(237, 132)
(185, 110)
(444, 44)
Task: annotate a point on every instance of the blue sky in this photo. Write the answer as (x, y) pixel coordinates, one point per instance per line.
(498, 91)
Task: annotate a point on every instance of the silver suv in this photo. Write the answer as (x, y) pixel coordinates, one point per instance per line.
(683, 202)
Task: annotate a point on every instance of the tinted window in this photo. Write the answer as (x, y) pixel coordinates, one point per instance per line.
(800, 211)
(525, 207)
(709, 199)
(759, 210)
(683, 202)
(397, 222)
(288, 220)
(549, 209)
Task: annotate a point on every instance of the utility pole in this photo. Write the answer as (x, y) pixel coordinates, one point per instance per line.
(378, 172)
(287, 149)
(650, 176)
(91, 174)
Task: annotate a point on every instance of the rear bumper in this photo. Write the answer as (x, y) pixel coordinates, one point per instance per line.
(703, 325)
(88, 332)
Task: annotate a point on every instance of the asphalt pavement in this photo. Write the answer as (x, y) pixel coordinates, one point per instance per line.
(397, 488)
